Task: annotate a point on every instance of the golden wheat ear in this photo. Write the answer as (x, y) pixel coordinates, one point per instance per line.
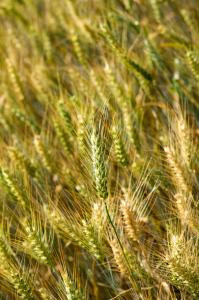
(13, 270)
(181, 260)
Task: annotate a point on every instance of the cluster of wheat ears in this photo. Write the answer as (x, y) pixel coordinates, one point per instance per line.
(99, 140)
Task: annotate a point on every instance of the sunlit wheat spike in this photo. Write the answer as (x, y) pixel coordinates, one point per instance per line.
(63, 138)
(91, 237)
(47, 46)
(193, 62)
(99, 164)
(153, 55)
(66, 117)
(56, 220)
(98, 86)
(25, 120)
(190, 19)
(21, 286)
(119, 149)
(127, 262)
(118, 257)
(42, 152)
(113, 84)
(45, 294)
(81, 134)
(14, 80)
(133, 224)
(77, 48)
(23, 161)
(186, 213)
(71, 290)
(183, 133)
(79, 23)
(156, 9)
(12, 188)
(13, 272)
(35, 245)
(182, 266)
(176, 172)
(6, 252)
(128, 123)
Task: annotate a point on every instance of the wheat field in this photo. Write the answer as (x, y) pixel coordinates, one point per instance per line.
(99, 140)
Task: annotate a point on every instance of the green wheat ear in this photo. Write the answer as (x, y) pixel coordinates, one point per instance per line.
(63, 138)
(12, 188)
(193, 62)
(14, 80)
(13, 271)
(23, 161)
(35, 246)
(119, 149)
(99, 164)
(65, 115)
(156, 9)
(26, 121)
